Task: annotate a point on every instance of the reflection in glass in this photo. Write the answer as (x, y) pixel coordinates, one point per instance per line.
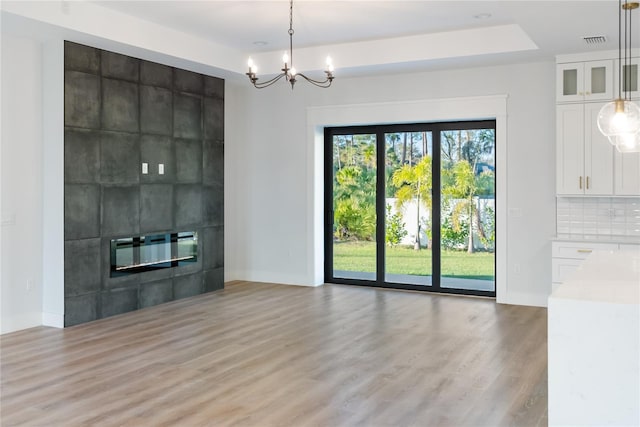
(138, 254)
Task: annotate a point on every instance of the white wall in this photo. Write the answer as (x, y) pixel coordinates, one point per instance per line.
(21, 185)
(53, 185)
(269, 234)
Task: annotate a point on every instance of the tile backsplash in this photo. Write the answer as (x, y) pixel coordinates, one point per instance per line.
(598, 217)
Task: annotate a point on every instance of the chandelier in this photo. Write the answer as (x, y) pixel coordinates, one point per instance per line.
(619, 120)
(288, 71)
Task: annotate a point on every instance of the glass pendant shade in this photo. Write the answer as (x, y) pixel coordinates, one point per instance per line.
(620, 117)
(627, 143)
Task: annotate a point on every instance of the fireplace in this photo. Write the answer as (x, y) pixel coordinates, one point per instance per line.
(138, 254)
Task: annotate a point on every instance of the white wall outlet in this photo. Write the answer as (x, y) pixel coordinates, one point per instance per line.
(517, 269)
(161, 168)
(145, 168)
(29, 285)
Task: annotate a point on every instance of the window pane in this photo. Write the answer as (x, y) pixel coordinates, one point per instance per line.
(468, 209)
(408, 163)
(354, 206)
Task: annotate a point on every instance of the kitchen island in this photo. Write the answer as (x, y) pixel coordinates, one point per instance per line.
(594, 343)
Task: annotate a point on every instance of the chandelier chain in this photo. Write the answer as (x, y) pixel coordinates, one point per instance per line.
(291, 31)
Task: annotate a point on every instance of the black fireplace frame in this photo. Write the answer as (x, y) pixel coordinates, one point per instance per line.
(136, 245)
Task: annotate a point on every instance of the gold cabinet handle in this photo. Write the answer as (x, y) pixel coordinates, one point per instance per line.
(587, 183)
(585, 251)
(580, 183)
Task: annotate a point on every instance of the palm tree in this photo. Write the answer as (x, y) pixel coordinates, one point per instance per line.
(414, 183)
(462, 184)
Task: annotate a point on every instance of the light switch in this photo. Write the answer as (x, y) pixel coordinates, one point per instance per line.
(161, 168)
(145, 168)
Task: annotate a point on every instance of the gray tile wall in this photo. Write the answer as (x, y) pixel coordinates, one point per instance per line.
(120, 112)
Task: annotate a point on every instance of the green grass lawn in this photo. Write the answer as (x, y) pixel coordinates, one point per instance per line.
(361, 256)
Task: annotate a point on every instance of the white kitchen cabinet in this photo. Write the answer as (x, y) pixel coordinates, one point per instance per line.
(627, 174)
(584, 156)
(585, 81)
(630, 247)
(630, 79)
(566, 257)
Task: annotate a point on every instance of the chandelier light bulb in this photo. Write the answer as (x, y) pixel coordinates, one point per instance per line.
(293, 71)
(252, 67)
(285, 57)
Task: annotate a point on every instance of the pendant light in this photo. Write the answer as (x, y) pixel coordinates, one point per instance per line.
(288, 71)
(619, 120)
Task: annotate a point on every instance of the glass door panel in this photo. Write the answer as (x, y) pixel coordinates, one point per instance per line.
(411, 206)
(408, 217)
(467, 209)
(354, 206)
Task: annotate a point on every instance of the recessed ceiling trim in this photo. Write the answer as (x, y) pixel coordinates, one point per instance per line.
(426, 47)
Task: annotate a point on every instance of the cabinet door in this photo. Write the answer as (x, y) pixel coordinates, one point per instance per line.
(598, 80)
(630, 247)
(598, 155)
(627, 174)
(570, 82)
(561, 268)
(630, 78)
(570, 149)
(579, 250)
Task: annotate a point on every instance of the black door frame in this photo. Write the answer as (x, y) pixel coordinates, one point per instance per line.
(380, 130)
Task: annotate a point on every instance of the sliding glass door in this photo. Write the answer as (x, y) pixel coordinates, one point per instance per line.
(354, 173)
(467, 209)
(411, 206)
(408, 208)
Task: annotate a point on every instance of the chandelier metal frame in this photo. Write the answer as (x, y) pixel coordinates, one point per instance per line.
(288, 71)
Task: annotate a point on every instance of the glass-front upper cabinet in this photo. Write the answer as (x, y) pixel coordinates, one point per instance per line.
(584, 81)
(630, 78)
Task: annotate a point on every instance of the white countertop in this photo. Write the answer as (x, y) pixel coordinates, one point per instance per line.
(605, 276)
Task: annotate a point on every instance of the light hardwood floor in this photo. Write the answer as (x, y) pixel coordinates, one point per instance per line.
(272, 355)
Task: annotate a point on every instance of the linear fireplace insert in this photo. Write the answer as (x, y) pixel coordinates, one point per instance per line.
(138, 254)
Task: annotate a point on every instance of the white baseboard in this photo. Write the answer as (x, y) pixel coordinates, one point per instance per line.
(270, 277)
(519, 298)
(10, 324)
(53, 319)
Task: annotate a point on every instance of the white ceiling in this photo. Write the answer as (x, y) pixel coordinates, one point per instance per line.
(544, 28)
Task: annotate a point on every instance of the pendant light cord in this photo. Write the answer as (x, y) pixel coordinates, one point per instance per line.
(627, 54)
(291, 31)
(620, 48)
